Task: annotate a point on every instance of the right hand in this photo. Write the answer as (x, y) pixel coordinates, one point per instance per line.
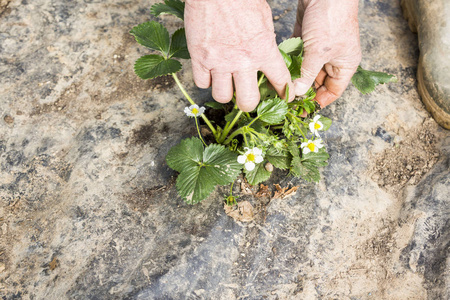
(330, 32)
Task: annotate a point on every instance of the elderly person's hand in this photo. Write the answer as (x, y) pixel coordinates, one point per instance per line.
(330, 31)
(229, 41)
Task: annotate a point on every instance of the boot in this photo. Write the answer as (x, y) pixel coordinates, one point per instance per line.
(430, 19)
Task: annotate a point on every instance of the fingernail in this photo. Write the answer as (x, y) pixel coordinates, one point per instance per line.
(300, 88)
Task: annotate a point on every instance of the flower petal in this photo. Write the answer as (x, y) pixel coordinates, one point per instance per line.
(257, 151)
(258, 159)
(303, 145)
(316, 118)
(311, 126)
(306, 150)
(241, 159)
(249, 165)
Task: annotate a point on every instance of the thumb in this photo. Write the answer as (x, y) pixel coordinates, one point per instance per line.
(311, 67)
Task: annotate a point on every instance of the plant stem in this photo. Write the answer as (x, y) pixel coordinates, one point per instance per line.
(260, 79)
(297, 118)
(211, 127)
(256, 118)
(227, 129)
(235, 133)
(198, 130)
(245, 138)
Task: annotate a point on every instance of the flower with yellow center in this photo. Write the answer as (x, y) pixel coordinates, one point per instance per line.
(194, 110)
(311, 146)
(316, 125)
(250, 158)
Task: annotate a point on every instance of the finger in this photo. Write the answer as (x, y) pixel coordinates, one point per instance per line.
(202, 76)
(320, 79)
(247, 92)
(278, 75)
(333, 86)
(222, 87)
(311, 67)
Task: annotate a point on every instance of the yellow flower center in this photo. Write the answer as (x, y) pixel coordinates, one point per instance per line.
(195, 111)
(311, 147)
(316, 126)
(251, 157)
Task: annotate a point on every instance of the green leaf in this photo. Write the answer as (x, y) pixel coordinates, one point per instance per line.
(178, 46)
(295, 67)
(151, 66)
(319, 159)
(187, 154)
(172, 7)
(266, 90)
(272, 111)
(293, 149)
(201, 169)
(214, 104)
(287, 58)
(309, 106)
(258, 174)
(152, 35)
(326, 122)
(307, 171)
(308, 166)
(280, 159)
(292, 46)
(366, 81)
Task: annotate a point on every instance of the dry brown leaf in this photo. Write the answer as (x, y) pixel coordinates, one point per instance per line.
(243, 211)
(264, 191)
(285, 192)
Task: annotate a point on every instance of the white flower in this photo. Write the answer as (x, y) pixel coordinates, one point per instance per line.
(311, 146)
(315, 125)
(250, 158)
(194, 111)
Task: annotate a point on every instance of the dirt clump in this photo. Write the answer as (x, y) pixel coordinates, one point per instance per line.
(408, 160)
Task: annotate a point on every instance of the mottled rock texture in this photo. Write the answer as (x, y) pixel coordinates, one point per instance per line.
(88, 206)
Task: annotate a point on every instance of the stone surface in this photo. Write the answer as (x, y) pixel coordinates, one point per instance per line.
(89, 209)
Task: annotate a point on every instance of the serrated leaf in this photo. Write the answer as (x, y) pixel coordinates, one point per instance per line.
(292, 46)
(221, 164)
(319, 159)
(295, 67)
(305, 170)
(151, 66)
(152, 35)
(280, 159)
(187, 154)
(272, 111)
(214, 104)
(258, 174)
(178, 46)
(308, 166)
(287, 58)
(172, 7)
(293, 149)
(366, 81)
(201, 169)
(326, 122)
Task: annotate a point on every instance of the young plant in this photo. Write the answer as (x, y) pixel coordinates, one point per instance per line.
(276, 134)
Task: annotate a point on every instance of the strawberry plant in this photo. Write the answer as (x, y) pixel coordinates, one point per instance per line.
(276, 134)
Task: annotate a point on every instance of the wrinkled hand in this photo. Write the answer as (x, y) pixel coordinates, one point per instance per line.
(330, 31)
(230, 41)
